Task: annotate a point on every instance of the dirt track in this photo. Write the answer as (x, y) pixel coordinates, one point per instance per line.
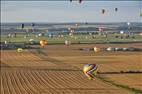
(58, 71)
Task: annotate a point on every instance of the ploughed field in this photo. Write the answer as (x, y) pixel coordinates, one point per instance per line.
(57, 69)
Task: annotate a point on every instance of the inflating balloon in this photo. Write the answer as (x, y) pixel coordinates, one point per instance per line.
(31, 41)
(43, 43)
(96, 49)
(19, 50)
(90, 70)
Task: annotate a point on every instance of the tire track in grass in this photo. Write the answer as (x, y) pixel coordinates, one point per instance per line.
(46, 78)
(69, 82)
(17, 83)
(52, 79)
(43, 79)
(33, 81)
(14, 82)
(25, 82)
(6, 88)
(21, 82)
(69, 75)
(33, 90)
(2, 87)
(11, 86)
(42, 84)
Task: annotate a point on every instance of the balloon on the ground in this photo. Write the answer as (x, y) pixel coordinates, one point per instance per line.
(31, 41)
(124, 49)
(67, 42)
(19, 50)
(96, 49)
(90, 70)
(43, 43)
(110, 49)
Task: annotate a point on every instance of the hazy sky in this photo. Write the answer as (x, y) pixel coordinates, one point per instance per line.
(64, 11)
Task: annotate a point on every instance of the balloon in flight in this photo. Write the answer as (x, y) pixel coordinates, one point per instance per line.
(103, 11)
(116, 9)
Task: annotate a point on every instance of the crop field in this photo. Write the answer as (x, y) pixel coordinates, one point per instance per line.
(58, 70)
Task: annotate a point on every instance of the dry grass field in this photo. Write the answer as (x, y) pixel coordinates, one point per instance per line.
(59, 71)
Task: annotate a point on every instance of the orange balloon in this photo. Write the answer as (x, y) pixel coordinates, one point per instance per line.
(43, 43)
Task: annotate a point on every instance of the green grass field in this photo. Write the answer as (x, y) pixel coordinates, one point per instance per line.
(74, 39)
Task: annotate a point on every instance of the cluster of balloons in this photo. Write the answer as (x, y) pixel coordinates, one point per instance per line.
(43, 43)
(90, 70)
(103, 10)
(23, 25)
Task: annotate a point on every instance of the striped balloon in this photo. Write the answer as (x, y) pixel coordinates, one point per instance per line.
(90, 70)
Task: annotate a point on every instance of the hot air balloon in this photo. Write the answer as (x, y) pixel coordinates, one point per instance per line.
(22, 26)
(103, 11)
(110, 49)
(43, 43)
(19, 50)
(67, 42)
(96, 49)
(90, 70)
(33, 24)
(31, 41)
(80, 1)
(116, 9)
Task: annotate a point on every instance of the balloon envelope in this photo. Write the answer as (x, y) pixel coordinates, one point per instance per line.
(96, 49)
(116, 9)
(19, 50)
(90, 70)
(103, 11)
(43, 43)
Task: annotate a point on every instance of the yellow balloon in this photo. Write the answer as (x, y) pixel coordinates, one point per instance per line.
(43, 43)
(19, 50)
(90, 70)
